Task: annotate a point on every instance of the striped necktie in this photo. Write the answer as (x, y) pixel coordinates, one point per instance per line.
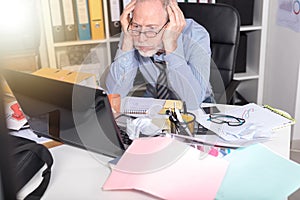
(162, 90)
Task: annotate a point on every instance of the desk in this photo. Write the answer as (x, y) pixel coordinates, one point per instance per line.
(79, 174)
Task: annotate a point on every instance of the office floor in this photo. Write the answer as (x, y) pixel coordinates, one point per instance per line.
(295, 156)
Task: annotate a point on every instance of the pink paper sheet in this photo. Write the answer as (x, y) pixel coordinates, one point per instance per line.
(186, 174)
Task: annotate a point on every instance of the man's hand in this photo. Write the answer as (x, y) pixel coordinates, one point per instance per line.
(174, 27)
(127, 44)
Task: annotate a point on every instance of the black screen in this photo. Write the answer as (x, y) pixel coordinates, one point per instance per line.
(74, 114)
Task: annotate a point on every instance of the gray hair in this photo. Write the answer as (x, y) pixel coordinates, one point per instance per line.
(165, 3)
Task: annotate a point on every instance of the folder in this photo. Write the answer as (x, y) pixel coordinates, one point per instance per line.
(57, 20)
(69, 22)
(267, 175)
(83, 24)
(114, 12)
(96, 19)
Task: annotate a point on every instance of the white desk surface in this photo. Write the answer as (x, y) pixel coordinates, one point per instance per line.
(79, 174)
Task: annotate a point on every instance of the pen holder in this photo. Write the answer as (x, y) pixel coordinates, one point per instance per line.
(189, 122)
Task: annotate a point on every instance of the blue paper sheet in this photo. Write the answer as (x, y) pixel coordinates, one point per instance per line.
(255, 172)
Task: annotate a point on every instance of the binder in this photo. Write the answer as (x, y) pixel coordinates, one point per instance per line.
(69, 22)
(96, 19)
(125, 2)
(57, 20)
(114, 12)
(83, 24)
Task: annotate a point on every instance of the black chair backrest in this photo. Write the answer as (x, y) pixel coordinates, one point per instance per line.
(223, 24)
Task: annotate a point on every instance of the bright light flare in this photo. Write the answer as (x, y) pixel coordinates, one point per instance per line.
(14, 15)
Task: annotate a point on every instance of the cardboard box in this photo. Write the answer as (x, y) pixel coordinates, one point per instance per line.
(80, 78)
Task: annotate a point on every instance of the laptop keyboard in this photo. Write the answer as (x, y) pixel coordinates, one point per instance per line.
(125, 138)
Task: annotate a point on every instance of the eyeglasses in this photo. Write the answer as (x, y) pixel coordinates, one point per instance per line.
(148, 34)
(228, 119)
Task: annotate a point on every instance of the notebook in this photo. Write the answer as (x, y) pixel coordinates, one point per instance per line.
(147, 105)
(73, 114)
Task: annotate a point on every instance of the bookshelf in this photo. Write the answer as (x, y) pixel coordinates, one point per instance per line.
(252, 80)
(251, 87)
(57, 52)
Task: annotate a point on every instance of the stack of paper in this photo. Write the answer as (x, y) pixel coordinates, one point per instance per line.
(259, 123)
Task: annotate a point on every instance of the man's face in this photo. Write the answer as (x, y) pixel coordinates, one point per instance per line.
(148, 16)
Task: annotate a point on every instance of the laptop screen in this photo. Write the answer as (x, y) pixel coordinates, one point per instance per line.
(67, 112)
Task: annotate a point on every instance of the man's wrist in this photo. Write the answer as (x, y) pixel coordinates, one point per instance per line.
(170, 47)
(127, 43)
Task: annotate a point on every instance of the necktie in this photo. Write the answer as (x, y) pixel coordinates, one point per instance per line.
(162, 90)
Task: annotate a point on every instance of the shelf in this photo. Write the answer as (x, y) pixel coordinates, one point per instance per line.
(245, 76)
(79, 42)
(114, 39)
(84, 42)
(250, 28)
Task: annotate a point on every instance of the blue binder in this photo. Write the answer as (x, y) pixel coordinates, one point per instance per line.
(83, 22)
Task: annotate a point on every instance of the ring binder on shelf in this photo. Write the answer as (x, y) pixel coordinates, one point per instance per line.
(96, 19)
(68, 12)
(57, 20)
(114, 12)
(84, 30)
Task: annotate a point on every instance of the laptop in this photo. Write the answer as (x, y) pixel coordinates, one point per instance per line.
(73, 114)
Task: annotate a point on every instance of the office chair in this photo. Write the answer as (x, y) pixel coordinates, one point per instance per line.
(223, 24)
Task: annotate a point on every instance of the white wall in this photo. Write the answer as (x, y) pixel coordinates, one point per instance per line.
(282, 63)
(297, 110)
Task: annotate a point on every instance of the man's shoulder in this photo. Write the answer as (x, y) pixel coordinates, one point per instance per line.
(194, 28)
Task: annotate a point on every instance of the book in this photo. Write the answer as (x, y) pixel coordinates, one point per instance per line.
(281, 112)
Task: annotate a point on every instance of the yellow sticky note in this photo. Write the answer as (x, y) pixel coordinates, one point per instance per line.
(170, 104)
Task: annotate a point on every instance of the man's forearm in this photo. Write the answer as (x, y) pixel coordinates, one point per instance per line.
(127, 43)
(121, 74)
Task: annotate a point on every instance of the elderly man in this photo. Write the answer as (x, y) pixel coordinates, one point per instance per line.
(170, 52)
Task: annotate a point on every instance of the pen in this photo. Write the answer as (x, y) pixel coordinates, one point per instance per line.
(182, 123)
(184, 108)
